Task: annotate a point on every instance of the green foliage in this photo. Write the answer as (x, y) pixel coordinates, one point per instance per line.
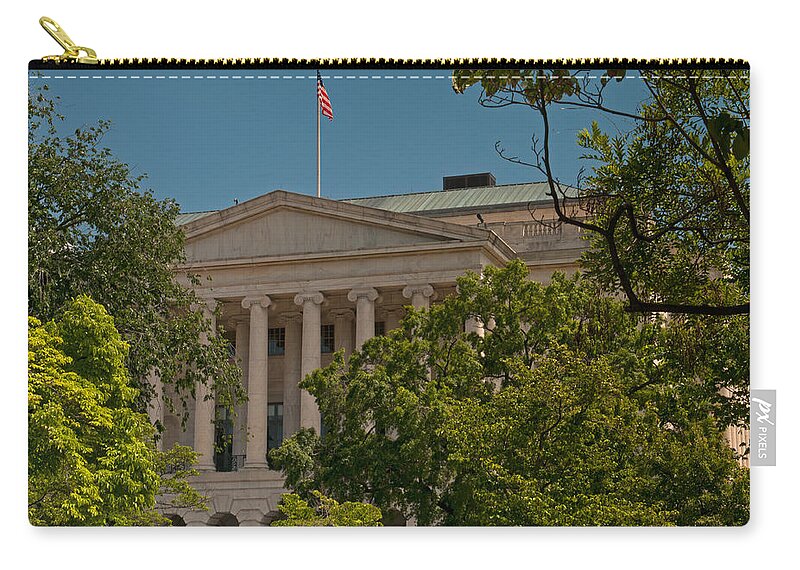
(687, 235)
(326, 512)
(532, 85)
(666, 206)
(88, 460)
(568, 411)
(91, 458)
(175, 468)
(93, 231)
(297, 456)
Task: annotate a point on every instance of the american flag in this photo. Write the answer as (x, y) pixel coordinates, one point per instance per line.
(324, 100)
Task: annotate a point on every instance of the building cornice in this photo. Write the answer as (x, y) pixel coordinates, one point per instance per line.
(331, 286)
(492, 244)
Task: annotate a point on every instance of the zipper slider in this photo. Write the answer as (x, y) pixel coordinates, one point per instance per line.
(72, 53)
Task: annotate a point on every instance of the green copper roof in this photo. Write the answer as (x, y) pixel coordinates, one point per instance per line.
(466, 198)
(439, 200)
(181, 219)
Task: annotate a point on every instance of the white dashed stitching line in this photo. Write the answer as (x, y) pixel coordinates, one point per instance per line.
(338, 77)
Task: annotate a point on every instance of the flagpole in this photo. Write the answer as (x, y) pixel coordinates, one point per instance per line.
(319, 111)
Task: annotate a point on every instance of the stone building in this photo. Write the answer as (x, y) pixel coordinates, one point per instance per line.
(299, 277)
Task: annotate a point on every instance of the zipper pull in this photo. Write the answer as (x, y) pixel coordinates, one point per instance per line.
(72, 53)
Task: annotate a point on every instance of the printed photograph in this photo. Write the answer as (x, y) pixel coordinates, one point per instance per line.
(382, 294)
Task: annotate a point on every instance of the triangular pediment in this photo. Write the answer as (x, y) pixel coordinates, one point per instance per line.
(282, 224)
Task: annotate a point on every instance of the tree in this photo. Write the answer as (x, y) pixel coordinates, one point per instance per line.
(174, 467)
(568, 411)
(91, 458)
(92, 231)
(326, 512)
(87, 456)
(667, 205)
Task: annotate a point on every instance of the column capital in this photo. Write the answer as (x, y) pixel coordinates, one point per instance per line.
(369, 293)
(304, 297)
(292, 316)
(262, 300)
(347, 314)
(424, 289)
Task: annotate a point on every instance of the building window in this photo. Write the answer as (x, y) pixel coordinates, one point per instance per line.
(276, 339)
(380, 328)
(223, 439)
(327, 342)
(274, 426)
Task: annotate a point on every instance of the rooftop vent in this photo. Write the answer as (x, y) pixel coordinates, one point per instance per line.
(468, 181)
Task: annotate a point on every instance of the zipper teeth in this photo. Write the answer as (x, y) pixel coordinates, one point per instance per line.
(373, 63)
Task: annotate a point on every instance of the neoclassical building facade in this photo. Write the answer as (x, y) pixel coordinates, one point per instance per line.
(298, 278)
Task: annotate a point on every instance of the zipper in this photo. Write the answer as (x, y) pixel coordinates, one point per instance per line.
(72, 52)
(78, 57)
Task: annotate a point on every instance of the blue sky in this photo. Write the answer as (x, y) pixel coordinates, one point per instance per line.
(208, 137)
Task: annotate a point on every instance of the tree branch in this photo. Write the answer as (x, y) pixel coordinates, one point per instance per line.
(723, 163)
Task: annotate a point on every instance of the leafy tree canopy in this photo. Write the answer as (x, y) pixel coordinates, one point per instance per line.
(667, 206)
(568, 411)
(326, 512)
(93, 231)
(91, 458)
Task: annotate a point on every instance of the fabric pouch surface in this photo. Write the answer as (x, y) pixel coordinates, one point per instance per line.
(364, 292)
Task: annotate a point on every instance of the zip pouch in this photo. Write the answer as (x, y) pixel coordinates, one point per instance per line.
(386, 292)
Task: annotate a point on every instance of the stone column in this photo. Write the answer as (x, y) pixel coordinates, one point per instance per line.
(257, 382)
(291, 373)
(393, 317)
(364, 298)
(204, 405)
(420, 294)
(343, 330)
(155, 409)
(310, 360)
(243, 359)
